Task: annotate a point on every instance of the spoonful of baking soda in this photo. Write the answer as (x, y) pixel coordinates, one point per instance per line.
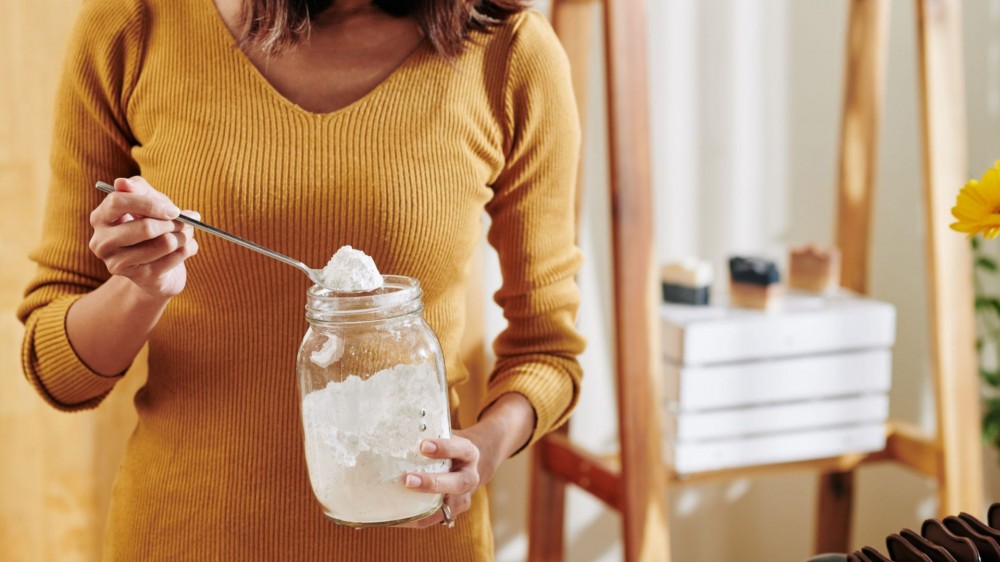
(349, 270)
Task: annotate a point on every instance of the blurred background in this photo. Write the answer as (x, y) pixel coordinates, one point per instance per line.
(746, 98)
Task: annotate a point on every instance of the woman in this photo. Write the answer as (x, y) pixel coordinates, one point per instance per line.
(303, 126)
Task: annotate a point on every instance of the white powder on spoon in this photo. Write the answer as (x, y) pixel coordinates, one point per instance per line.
(351, 271)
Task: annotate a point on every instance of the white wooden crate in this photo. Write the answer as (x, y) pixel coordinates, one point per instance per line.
(802, 325)
(731, 423)
(784, 380)
(703, 456)
(807, 380)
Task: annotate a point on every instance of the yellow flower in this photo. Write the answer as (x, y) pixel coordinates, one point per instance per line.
(978, 205)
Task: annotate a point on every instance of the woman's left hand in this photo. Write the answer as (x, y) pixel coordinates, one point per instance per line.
(473, 463)
(475, 454)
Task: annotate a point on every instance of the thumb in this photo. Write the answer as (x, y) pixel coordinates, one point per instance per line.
(137, 185)
(134, 184)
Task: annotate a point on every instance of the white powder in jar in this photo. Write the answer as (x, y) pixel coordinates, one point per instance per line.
(363, 435)
(351, 271)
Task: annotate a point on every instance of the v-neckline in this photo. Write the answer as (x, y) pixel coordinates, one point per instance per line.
(219, 24)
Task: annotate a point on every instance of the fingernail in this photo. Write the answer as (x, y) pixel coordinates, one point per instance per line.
(412, 481)
(428, 447)
(172, 212)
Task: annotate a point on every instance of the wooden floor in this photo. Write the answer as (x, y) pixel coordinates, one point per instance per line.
(56, 469)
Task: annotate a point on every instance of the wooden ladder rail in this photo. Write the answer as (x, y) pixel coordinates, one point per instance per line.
(642, 492)
(864, 87)
(949, 272)
(633, 483)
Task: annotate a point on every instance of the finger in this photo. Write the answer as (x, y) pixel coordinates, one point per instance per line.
(159, 268)
(457, 504)
(433, 519)
(145, 253)
(130, 234)
(124, 219)
(457, 448)
(187, 229)
(120, 203)
(149, 273)
(453, 483)
(139, 185)
(135, 184)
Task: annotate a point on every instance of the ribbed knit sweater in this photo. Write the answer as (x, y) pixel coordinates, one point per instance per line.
(215, 469)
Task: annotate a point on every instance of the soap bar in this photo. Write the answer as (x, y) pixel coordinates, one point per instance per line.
(753, 283)
(686, 281)
(814, 269)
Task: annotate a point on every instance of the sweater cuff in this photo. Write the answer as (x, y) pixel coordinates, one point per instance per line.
(549, 390)
(53, 365)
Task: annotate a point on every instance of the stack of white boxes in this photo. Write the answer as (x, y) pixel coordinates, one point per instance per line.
(746, 387)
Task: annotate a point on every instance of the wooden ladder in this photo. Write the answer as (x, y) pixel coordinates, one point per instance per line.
(635, 482)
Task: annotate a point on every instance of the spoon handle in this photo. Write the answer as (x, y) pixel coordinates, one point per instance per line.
(107, 188)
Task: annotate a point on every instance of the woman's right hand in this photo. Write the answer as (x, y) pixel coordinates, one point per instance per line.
(136, 237)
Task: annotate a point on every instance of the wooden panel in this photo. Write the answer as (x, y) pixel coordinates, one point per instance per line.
(864, 83)
(910, 446)
(547, 501)
(949, 260)
(834, 511)
(642, 483)
(56, 476)
(598, 476)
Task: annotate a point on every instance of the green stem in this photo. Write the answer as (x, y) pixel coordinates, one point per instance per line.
(988, 322)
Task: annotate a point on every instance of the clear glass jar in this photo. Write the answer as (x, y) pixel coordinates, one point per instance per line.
(372, 382)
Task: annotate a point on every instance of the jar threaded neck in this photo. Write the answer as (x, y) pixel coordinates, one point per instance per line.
(398, 296)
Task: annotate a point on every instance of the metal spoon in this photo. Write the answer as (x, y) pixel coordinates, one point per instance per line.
(313, 274)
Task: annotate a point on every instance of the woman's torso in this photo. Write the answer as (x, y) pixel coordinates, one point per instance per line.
(215, 469)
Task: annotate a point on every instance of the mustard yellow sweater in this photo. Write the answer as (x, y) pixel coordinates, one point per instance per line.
(215, 468)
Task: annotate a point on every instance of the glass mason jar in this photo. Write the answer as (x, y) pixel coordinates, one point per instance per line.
(372, 382)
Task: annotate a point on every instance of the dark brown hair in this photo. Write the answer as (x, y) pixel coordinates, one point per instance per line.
(272, 26)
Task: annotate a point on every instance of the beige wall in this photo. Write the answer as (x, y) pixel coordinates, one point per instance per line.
(56, 469)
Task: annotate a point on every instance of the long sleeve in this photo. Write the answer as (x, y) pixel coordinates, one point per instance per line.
(91, 141)
(533, 230)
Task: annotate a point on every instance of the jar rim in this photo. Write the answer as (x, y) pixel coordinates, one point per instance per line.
(398, 295)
